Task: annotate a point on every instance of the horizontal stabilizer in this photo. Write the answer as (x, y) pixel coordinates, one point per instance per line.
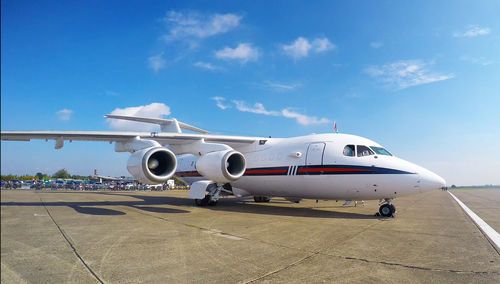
(167, 125)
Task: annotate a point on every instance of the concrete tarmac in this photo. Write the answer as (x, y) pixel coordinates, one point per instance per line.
(160, 237)
(484, 202)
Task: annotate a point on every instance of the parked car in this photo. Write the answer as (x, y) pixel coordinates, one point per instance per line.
(155, 186)
(15, 183)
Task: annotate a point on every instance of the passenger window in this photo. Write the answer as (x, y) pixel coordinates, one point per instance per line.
(349, 150)
(364, 151)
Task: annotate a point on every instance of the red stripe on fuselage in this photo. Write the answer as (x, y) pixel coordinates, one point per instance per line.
(188, 174)
(315, 170)
(278, 171)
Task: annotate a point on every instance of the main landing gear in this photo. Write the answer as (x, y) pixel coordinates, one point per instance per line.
(205, 201)
(262, 198)
(387, 209)
(214, 191)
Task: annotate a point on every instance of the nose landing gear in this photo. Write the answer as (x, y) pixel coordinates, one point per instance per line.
(387, 209)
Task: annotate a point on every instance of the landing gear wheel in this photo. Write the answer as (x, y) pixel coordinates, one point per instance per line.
(205, 201)
(393, 210)
(200, 202)
(387, 210)
(261, 198)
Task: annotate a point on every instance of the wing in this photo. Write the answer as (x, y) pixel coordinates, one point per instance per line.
(172, 139)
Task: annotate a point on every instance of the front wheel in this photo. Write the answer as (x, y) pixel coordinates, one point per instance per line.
(387, 210)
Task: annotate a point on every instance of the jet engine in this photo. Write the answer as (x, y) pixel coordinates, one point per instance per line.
(152, 165)
(222, 166)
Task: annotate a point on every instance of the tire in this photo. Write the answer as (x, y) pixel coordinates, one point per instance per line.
(386, 210)
(261, 199)
(393, 209)
(202, 202)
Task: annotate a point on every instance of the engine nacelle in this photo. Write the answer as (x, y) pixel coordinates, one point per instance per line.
(222, 166)
(152, 165)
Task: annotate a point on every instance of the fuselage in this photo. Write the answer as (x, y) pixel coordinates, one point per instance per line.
(323, 166)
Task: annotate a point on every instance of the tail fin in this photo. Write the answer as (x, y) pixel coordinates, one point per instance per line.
(167, 125)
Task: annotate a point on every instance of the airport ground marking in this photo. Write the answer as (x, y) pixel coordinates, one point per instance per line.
(487, 230)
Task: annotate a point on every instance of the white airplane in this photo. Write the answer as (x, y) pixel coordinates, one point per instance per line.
(319, 166)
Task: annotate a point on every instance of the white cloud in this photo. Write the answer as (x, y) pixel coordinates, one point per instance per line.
(278, 86)
(206, 65)
(64, 114)
(477, 60)
(243, 52)
(322, 44)
(301, 47)
(304, 119)
(256, 108)
(406, 73)
(376, 44)
(473, 31)
(156, 62)
(112, 94)
(259, 108)
(220, 103)
(193, 25)
(154, 110)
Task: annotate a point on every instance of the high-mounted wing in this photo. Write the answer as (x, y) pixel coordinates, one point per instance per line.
(171, 135)
(114, 136)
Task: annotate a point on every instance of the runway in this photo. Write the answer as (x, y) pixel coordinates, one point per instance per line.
(130, 237)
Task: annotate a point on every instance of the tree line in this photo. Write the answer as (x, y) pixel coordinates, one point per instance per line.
(62, 173)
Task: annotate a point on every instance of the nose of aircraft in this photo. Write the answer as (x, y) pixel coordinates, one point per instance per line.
(430, 180)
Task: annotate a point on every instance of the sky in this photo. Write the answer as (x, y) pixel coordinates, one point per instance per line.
(421, 78)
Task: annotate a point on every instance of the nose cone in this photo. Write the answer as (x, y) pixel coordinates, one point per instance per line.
(431, 181)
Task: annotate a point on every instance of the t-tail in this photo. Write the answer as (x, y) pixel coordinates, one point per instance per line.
(166, 125)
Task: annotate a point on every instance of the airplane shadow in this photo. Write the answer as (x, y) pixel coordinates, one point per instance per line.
(95, 210)
(242, 206)
(96, 207)
(146, 203)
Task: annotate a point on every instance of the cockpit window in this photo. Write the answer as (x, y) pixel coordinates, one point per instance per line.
(380, 151)
(364, 151)
(349, 150)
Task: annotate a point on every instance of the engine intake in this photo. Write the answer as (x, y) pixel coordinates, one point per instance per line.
(152, 165)
(222, 166)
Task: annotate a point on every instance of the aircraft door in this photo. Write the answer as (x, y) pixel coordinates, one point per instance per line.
(315, 154)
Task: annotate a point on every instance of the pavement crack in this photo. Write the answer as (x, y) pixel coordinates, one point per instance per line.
(409, 266)
(305, 258)
(203, 229)
(70, 244)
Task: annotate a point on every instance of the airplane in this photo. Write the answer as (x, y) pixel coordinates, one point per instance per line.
(332, 166)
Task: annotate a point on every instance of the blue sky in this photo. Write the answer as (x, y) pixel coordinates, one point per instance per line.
(420, 78)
